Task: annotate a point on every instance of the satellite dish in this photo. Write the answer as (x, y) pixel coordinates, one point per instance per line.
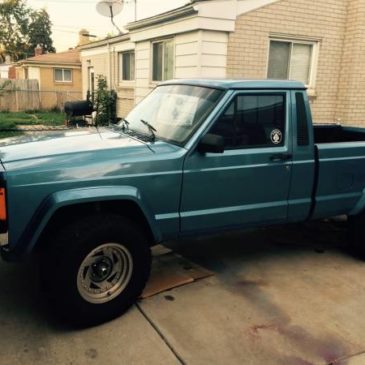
(110, 8)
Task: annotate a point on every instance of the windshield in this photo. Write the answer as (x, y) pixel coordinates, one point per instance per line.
(172, 112)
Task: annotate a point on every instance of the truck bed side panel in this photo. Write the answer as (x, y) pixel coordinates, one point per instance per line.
(341, 178)
(303, 169)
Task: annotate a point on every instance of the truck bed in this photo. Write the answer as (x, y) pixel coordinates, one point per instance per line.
(334, 133)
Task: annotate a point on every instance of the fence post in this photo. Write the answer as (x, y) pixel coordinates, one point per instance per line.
(16, 101)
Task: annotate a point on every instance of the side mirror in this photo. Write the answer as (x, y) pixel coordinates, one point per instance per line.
(211, 143)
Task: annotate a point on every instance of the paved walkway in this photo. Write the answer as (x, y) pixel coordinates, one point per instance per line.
(41, 128)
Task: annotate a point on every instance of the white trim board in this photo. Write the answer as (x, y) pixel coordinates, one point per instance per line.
(245, 6)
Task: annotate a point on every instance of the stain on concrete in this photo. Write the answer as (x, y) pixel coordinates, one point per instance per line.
(252, 283)
(251, 290)
(169, 298)
(329, 349)
(91, 353)
(294, 360)
(255, 329)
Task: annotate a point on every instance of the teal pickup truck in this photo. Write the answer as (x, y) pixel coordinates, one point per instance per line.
(193, 157)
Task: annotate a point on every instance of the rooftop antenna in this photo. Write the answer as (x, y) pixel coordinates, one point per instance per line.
(110, 8)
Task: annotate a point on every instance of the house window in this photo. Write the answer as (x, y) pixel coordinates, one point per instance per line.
(292, 60)
(126, 66)
(163, 60)
(63, 75)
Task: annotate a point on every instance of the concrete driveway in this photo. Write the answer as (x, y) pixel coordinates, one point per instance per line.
(288, 296)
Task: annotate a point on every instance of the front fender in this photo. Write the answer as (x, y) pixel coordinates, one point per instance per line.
(71, 197)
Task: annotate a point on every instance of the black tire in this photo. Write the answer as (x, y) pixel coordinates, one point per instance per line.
(61, 267)
(356, 235)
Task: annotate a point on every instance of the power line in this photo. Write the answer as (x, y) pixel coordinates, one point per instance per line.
(76, 29)
(65, 31)
(86, 2)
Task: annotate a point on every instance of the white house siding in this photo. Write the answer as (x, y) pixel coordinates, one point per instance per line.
(187, 61)
(34, 74)
(213, 54)
(201, 54)
(4, 71)
(197, 54)
(143, 70)
(125, 89)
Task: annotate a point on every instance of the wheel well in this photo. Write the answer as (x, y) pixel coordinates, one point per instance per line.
(68, 213)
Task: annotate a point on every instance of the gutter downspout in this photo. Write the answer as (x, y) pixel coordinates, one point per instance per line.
(109, 67)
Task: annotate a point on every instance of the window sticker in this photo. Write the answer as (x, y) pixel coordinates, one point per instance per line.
(180, 109)
(276, 136)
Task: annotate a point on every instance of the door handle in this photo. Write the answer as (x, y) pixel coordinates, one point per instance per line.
(280, 157)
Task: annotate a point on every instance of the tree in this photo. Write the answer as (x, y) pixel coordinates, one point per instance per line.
(40, 31)
(23, 28)
(14, 23)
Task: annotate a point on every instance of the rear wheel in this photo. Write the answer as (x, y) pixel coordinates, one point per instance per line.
(356, 235)
(96, 268)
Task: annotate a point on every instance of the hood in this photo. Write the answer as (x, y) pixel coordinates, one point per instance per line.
(64, 143)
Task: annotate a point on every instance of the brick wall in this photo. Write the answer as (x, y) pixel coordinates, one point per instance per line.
(351, 95)
(12, 72)
(322, 20)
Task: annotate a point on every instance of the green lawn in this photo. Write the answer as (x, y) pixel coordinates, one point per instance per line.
(10, 120)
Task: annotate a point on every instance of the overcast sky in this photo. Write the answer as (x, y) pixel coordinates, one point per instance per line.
(69, 16)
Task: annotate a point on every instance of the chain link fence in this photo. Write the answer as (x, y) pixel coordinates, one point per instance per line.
(23, 95)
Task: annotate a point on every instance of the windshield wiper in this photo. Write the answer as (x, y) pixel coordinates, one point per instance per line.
(150, 128)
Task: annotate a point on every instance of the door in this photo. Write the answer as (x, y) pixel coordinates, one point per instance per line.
(248, 184)
(91, 81)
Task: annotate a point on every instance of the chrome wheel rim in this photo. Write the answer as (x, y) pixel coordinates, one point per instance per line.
(104, 273)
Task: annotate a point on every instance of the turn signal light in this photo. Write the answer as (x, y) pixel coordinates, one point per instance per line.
(2, 205)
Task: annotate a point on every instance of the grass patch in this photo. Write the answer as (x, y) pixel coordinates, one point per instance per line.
(9, 134)
(9, 120)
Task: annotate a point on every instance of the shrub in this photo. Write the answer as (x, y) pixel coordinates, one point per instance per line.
(105, 103)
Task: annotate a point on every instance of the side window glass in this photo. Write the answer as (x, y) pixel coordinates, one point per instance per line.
(252, 121)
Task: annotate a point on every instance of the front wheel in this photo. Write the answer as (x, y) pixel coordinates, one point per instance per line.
(96, 268)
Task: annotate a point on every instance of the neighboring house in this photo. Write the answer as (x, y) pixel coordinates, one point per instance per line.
(318, 42)
(58, 75)
(4, 70)
(6, 67)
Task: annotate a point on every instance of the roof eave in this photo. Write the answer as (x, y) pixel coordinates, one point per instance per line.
(105, 41)
(181, 12)
(35, 63)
